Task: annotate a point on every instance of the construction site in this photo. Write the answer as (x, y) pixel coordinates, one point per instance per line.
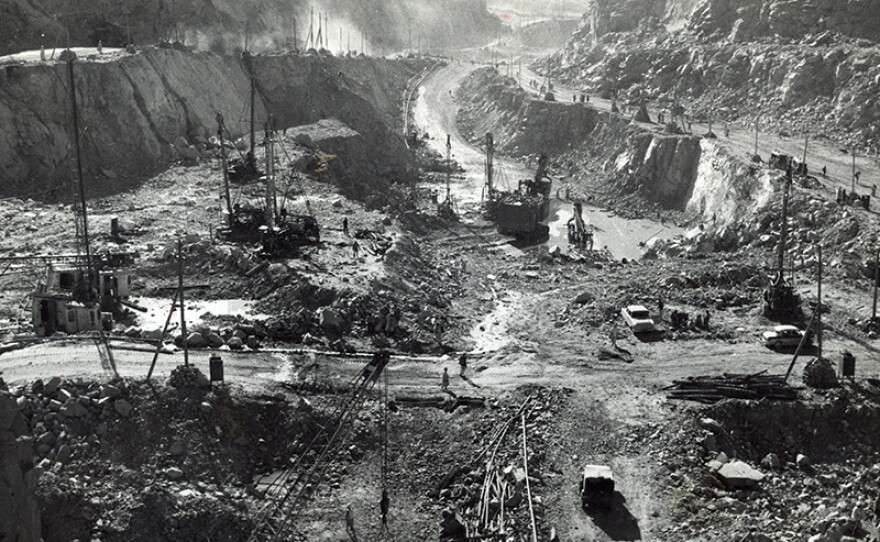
(472, 270)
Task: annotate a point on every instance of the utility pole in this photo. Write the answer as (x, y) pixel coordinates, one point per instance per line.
(448, 166)
(182, 303)
(806, 142)
(757, 121)
(225, 170)
(295, 45)
(490, 154)
(79, 171)
(854, 170)
(876, 280)
(819, 304)
(253, 158)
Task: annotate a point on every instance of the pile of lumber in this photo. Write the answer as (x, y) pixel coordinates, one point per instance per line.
(711, 389)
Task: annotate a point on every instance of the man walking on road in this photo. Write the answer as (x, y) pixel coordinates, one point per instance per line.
(444, 383)
(462, 361)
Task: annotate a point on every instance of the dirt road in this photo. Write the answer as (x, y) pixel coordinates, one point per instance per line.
(435, 113)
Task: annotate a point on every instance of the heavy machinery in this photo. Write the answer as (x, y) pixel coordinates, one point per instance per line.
(446, 208)
(519, 212)
(781, 302)
(579, 235)
(244, 169)
(279, 233)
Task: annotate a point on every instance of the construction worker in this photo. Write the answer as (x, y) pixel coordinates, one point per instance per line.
(444, 381)
(383, 507)
(349, 524)
(462, 361)
(824, 172)
(355, 249)
(614, 334)
(660, 307)
(345, 225)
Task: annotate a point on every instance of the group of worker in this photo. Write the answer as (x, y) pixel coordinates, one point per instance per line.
(386, 321)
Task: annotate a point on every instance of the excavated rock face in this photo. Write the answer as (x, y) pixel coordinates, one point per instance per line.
(808, 64)
(141, 112)
(681, 172)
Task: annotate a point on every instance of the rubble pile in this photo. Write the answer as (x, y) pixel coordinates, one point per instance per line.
(115, 456)
(819, 373)
(778, 470)
(187, 377)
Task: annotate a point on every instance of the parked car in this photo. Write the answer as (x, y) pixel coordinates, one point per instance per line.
(785, 335)
(638, 318)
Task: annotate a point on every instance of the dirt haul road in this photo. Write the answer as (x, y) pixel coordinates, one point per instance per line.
(741, 142)
(435, 114)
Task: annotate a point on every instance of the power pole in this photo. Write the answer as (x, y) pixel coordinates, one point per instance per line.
(854, 170)
(295, 45)
(225, 170)
(182, 303)
(757, 121)
(876, 280)
(819, 305)
(806, 142)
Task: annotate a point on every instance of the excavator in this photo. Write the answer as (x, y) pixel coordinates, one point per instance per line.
(519, 212)
(781, 302)
(578, 234)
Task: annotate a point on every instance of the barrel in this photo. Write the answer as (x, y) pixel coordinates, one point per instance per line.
(215, 366)
(847, 367)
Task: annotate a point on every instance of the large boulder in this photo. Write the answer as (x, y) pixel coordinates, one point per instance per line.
(328, 319)
(739, 475)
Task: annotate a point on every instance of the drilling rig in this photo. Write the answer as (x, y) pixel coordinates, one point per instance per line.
(781, 302)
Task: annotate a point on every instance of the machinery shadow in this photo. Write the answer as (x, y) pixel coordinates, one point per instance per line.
(615, 519)
(649, 336)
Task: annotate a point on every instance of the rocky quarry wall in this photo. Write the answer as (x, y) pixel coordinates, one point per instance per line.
(141, 112)
(681, 172)
(810, 65)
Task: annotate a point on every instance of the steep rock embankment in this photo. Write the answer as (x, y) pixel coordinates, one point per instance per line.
(809, 66)
(137, 111)
(608, 153)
